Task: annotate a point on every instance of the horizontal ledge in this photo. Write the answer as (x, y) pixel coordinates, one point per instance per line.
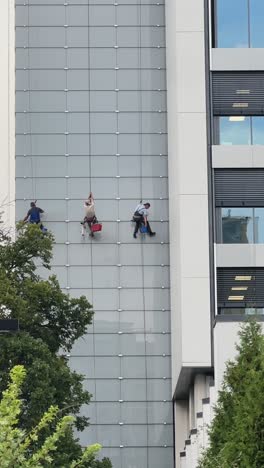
(116, 355)
(89, 25)
(126, 378)
(65, 134)
(236, 318)
(67, 69)
(93, 401)
(92, 177)
(90, 47)
(130, 424)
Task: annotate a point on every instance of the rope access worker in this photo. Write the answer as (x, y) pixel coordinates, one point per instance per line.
(141, 219)
(89, 217)
(33, 215)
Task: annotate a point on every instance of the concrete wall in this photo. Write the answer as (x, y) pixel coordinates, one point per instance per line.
(237, 59)
(238, 156)
(7, 114)
(240, 255)
(91, 103)
(188, 191)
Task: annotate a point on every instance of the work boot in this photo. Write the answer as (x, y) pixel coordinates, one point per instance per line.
(134, 235)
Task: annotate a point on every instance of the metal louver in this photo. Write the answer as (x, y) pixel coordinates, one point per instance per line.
(239, 187)
(238, 93)
(240, 287)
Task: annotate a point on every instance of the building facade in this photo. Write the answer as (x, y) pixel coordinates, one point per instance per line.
(156, 101)
(215, 78)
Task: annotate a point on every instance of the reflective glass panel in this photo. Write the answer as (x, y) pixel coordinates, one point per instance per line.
(257, 130)
(232, 23)
(259, 225)
(237, 225)
(234, 130)
(256, 23)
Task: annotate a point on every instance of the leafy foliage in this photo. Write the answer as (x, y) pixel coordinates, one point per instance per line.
(42, 308)
(17, 447)
(50, 322)
(49, 380)
(237, 431)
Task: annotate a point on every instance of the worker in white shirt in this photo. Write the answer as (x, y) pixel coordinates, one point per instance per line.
(141, 218)
(89, 217)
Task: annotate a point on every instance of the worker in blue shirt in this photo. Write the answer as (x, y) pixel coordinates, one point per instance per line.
(141, 219)
(33, 215)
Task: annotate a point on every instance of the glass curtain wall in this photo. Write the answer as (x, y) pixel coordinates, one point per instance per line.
(91, 115)
(239, 23)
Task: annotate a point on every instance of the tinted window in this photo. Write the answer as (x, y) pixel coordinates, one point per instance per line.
(232, 23)
(234, 130)
(256, 23)
(237, 225)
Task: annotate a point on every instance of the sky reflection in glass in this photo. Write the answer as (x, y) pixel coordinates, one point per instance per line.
(256, 23)
(232, 23)
(234, 132)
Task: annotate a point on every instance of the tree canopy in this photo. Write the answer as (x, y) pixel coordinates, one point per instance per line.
(43, 310)
(50, 322)
(237, 431)
(17, 447)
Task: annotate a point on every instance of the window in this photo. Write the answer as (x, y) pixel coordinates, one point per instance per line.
(237, 225)
(239, 130)
(242, 226)
(234, 130)
(257, 124)
(239, 23)
(256, 14)
(232, 23)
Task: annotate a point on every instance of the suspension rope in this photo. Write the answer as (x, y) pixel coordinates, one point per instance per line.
(66, 143)
(141, 196)
(118, 228)
(29, 116)
(90, 189)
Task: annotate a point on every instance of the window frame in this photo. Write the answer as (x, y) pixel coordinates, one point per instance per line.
(219, 225)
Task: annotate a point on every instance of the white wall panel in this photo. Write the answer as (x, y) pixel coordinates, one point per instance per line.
(189, 230)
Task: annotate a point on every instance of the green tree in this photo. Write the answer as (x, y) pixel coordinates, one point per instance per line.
(17, 446)
(237, 432)
(43, 310)
(50, 323)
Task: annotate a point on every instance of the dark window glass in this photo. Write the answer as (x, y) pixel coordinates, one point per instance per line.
(234, 130)
(237, 225)
(232, 23)
(256, 16)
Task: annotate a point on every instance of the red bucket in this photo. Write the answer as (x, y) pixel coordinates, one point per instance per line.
(96, 227)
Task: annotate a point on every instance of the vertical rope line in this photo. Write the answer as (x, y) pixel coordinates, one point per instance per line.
(141, 195)
(90, 188)
(28, 117)
(66, 144)
(118, 231)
